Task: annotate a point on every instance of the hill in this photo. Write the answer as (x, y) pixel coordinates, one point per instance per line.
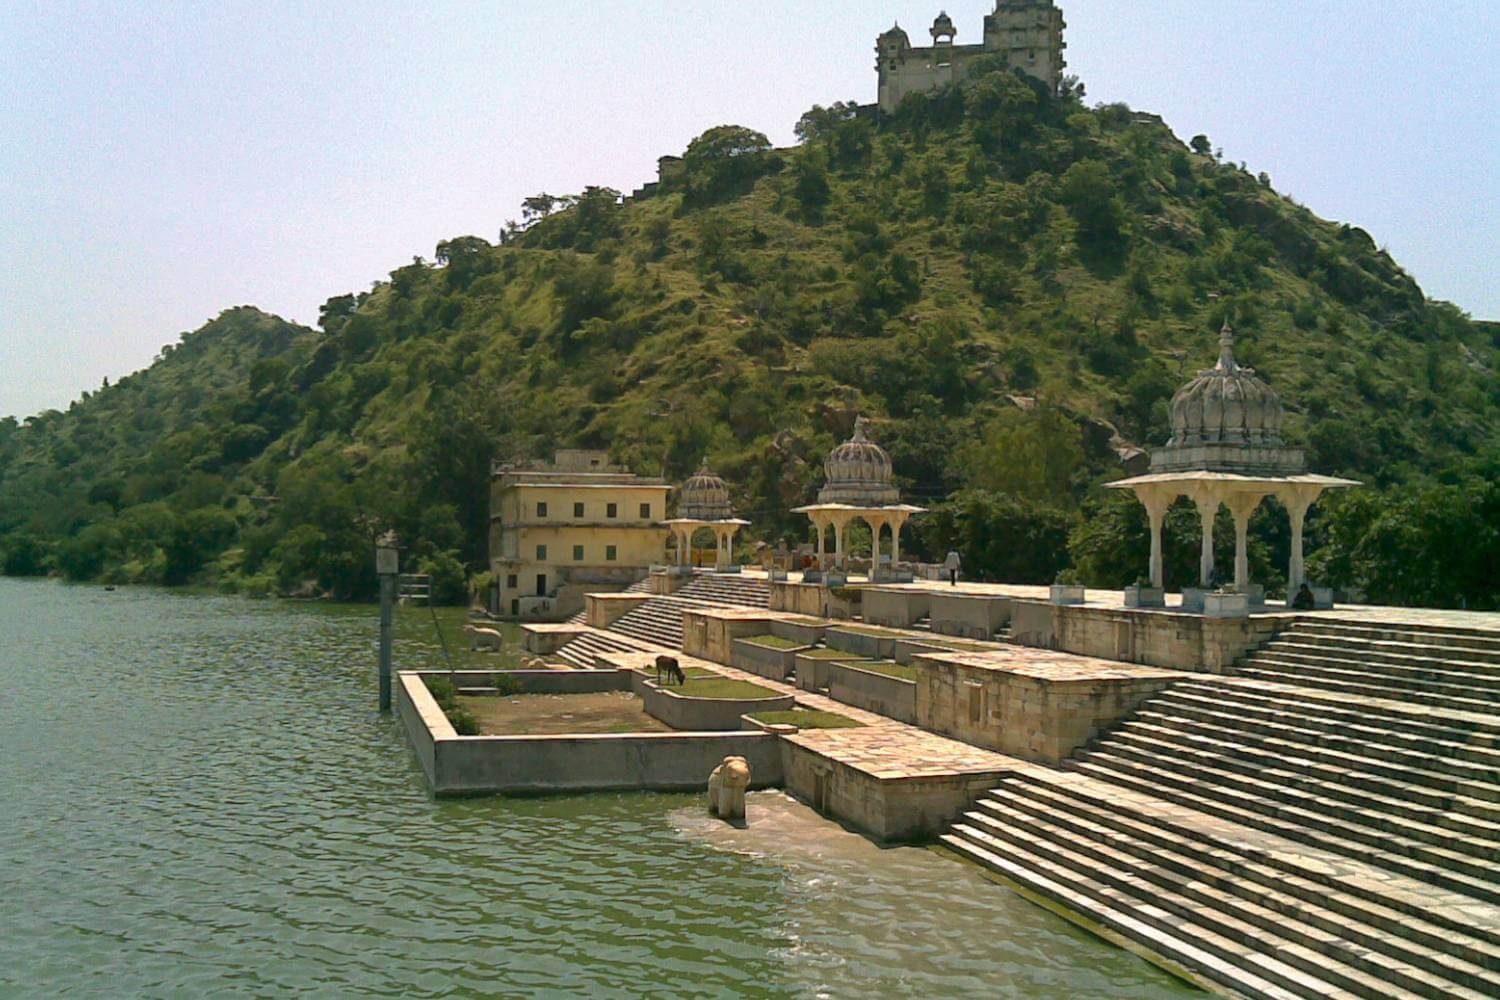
(1010, 284)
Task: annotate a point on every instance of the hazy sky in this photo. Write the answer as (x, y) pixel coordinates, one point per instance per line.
(162, 161)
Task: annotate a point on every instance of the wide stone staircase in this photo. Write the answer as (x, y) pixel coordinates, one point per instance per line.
(657, 623)
(1303, 828)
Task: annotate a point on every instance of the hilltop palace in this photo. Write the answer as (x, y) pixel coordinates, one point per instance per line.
(1026, 34)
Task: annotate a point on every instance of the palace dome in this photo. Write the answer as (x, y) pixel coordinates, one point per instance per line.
(859, 472)
(704, 497)
(1226, 405)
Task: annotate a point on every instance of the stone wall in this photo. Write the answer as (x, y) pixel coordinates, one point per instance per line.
(473, 765)
(604, 610)
(1159, 638)
(860, 642)
(890, 811)
(815, 599)
(807, 632)
(1027, 705)
(766, 661)
(973, 616)
(543, 640)
(895, 607)
(709, 634)
(702, 715)
(893, 697)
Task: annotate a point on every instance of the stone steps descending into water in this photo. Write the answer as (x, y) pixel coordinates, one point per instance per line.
(656, 624)
(1326, 821)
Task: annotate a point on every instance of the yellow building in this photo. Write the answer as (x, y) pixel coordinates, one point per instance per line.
(577, 525)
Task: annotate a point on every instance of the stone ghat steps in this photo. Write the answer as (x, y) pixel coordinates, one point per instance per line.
(1197, 788)
(1410, 650)
(581, 650)
(1452, 637)
(658, 621)
(1438, 759)
(1277, 922)
(1292, 671)
(1411, 815)
(728, 589)
(1419, 668)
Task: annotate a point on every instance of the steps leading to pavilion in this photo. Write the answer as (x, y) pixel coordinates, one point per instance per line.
(1444, 668)
(580, 651)
(657, 623)
(1299, 829)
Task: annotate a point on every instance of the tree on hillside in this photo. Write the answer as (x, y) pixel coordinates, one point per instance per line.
(723, 160)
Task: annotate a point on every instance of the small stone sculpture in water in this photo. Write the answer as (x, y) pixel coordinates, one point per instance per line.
(483, 638)
(726, 789)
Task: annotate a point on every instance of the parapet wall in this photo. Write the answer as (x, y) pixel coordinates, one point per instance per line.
(476, 765)
(1168, 639)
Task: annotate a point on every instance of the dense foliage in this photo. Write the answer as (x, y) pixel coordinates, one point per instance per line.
(1010, 284)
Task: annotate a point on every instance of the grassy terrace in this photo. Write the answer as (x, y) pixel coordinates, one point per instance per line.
(714, 686)
(822, 653)
(888, 667)
(807, 719)
(772, 641)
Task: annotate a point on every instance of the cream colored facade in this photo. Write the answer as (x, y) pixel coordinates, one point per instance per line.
(562, 530)
(1026, 34)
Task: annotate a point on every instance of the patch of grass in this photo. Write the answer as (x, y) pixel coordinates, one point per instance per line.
(773, 641)
(823, 653)
(888, 667)
(722, 687)
(460, 718)
(807, 719)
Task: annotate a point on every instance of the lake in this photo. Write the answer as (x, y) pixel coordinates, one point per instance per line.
(199, 797)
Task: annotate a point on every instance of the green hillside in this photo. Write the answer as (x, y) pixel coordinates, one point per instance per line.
(1011, 286)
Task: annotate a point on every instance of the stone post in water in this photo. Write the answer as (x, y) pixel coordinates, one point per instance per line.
(387, 565)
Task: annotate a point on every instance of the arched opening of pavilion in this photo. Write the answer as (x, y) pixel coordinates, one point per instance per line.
(859, 485)
(1226, 450)
(703, 505)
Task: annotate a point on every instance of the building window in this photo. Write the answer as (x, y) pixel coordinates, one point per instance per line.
(511, 582)
(612, 510)
(578, 510)
(541, 553)
(578, 553)
(646, 511)
(610, 553)
(541, 510)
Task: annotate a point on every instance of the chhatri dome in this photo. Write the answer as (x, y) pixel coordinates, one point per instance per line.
(1227, 419)
(704, 497)
(858, 472)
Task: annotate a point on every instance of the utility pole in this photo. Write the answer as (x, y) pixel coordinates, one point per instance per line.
(387, 565)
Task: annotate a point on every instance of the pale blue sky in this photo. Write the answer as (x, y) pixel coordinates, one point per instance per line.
(162, 161)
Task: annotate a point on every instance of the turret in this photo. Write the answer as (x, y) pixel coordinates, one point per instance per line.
(943, 30)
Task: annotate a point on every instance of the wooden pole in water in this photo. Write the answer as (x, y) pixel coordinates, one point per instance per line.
(387, 564)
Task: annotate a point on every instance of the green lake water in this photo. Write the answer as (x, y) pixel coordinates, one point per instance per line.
(197, 797)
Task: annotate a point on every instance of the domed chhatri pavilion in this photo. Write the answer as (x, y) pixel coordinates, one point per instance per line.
(703, 502)
(1226, 448)
(859, 485)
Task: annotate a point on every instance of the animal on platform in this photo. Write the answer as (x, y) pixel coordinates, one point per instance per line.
(726, 788)
(486, 639)
(667, 666)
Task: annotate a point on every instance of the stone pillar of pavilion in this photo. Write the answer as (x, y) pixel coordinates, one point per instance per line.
(1226, 450)
(703, 502)
(859, 486)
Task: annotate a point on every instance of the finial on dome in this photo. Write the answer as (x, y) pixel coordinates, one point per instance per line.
(1226, 347)
(859, 429)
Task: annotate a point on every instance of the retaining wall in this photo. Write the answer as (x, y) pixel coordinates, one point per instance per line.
(893, 697)
(1167, 639)
(472, 765)
(974, 616)
(766, 661)
(860, 643)
(1035, 711)
(707, 714)
(895, 607)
